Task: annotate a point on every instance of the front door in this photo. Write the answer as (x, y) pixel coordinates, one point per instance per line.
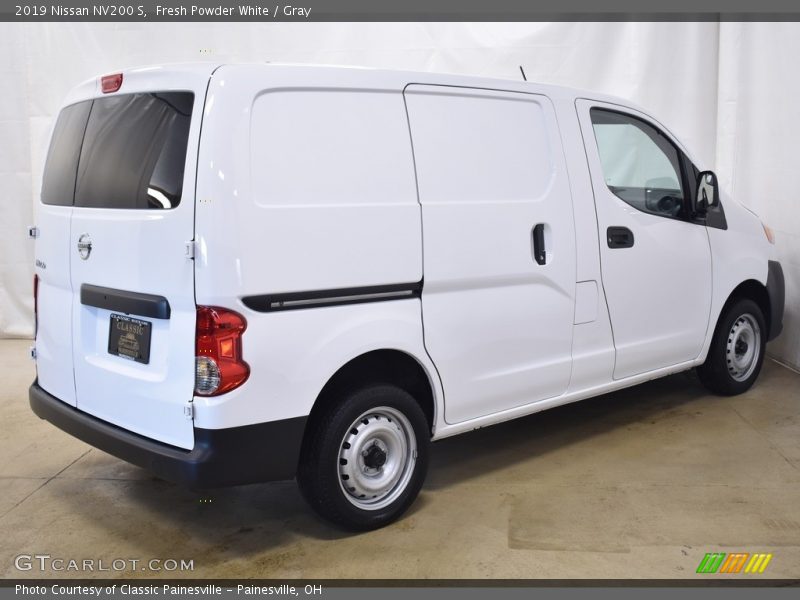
(655, 260)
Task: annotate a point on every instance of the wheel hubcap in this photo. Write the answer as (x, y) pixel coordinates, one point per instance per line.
(376, 458)
(743, 347)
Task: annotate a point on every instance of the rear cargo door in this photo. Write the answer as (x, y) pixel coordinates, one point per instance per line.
(132, 277)
(54, 295)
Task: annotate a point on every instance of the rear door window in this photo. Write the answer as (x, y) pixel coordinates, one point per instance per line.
(134, 151)
(61, 166)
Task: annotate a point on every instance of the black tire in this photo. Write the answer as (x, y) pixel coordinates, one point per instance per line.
(330, 437)
(721, 373)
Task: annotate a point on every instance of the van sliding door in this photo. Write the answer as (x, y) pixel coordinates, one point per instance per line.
(499, 249)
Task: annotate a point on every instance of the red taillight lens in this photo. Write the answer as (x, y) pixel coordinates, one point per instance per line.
(111, 83)
(219, 366)
(35, 305)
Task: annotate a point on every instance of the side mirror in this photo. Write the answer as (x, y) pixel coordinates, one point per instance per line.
(707, 192)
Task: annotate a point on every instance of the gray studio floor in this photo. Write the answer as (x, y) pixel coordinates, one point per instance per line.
(640, 483)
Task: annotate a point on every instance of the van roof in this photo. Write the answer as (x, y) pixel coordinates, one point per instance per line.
(389, 77)
(345, 76)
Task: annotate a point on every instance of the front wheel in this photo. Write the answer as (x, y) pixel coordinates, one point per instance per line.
(737, 350)
(365, 457)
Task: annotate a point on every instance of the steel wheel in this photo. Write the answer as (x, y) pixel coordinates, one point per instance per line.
(736, 352)
(365, 456)
(743, 347)
(376, 458)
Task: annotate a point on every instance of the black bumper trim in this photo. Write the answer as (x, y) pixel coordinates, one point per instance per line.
(220, 457)
(776, 289)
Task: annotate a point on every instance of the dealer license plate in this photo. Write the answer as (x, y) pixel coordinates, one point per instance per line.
(130, 338)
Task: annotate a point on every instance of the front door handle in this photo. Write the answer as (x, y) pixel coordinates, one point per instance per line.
(619, 237)
(539, 252)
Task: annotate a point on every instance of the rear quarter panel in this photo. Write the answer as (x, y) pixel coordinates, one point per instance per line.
(305, 183)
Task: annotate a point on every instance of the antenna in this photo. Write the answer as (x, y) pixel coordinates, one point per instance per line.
(521, 70)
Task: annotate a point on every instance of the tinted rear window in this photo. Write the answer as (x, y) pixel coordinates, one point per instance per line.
(133, 151)
(58, 185)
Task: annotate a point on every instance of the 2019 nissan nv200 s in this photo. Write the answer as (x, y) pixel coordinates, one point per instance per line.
(256, 272)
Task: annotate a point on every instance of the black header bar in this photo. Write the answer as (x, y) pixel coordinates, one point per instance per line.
(398, 10)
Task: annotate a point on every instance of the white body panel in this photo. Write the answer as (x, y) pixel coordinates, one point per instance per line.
(298, 192)
(592, 341)
(738, 254)
(316, 179)
(498, 325)
(145, 398)
(299, 351)
(54, 314)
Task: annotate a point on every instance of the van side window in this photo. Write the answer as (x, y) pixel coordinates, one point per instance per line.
(640, 165)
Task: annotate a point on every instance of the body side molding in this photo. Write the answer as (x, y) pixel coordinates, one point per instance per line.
(333, 297)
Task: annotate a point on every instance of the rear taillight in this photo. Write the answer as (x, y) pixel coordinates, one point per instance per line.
(111, 83)
(219, 366)
(35, 305)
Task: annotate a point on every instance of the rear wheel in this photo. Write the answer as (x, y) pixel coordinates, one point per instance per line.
(737, 350)
(365, 457)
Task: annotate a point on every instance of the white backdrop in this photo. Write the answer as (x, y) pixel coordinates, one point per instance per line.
(727, 90)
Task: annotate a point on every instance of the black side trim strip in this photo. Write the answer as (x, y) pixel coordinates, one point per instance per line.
(132, 303)
(335, 297)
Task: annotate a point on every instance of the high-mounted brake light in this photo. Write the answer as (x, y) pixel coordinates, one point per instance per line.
(219, 366)
(111, 83)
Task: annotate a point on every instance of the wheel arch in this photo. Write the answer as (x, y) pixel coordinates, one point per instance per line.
(721, 372)
(386, 365)
(754, 290)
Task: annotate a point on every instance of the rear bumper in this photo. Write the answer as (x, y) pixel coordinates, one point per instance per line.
(776, 289)
(220, 457)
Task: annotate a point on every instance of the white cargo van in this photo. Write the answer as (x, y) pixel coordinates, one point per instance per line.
(255, 272)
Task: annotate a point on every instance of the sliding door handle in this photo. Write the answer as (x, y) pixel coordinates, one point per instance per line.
(619, 237)
(539, 252)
